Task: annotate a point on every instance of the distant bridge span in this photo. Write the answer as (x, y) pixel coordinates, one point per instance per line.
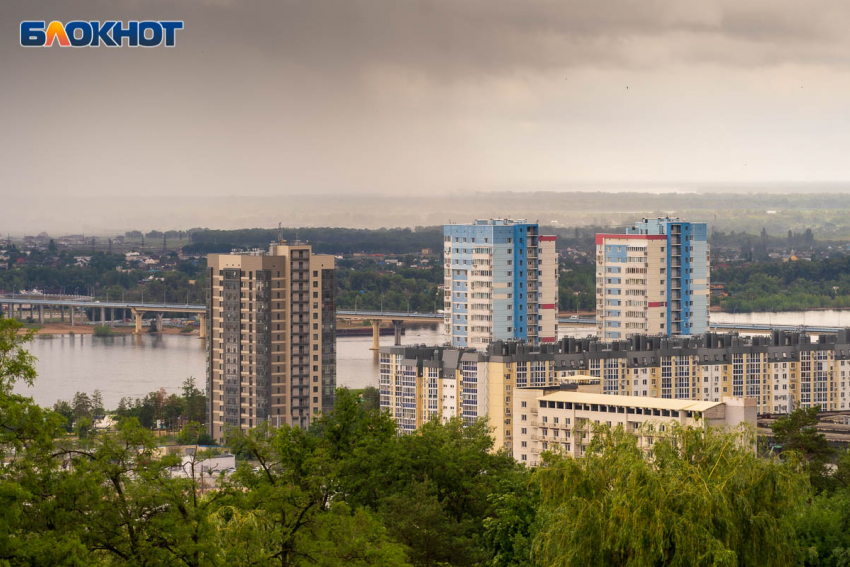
(77, 304)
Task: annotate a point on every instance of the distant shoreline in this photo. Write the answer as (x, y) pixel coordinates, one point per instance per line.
(87, 329)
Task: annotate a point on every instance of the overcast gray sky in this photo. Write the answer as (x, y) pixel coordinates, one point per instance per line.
(270, 97)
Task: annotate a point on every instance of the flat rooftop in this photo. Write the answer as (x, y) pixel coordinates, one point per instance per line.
(629, 401)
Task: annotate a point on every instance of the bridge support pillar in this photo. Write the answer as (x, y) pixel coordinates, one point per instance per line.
(398, 325)
(202, 326)
(71, 313)
(138, 320)
(159, 322)
(103, 315)
(41, 314)
(376, 334)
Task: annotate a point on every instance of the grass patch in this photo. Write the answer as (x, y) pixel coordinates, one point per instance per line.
(187, 329)
(103, 331)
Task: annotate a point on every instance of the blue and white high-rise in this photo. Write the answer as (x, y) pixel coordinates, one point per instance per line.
(500, 283)
(654, 279)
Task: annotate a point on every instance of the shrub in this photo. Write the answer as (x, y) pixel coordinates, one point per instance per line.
(103, 331)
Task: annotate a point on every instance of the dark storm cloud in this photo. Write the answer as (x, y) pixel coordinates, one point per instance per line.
(275, 97)
(463, 38)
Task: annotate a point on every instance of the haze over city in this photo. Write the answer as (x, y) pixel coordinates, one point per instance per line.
(268, 99)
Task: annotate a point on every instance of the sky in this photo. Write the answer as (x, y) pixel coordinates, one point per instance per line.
(309, 97)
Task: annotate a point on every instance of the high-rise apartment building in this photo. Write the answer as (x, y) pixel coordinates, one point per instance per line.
(654, 279)
(271, 345)
(501, 283)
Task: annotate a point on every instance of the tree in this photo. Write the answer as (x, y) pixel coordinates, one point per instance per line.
(284, 515)
(797, 432)
(371, 399)
(82, 405)
(823, 530)
(27, 434)
(193, 433)
(194, 401)
(702, 497)
(97, 403)
(64, 409)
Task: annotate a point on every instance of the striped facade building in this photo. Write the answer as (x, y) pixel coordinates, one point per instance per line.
(653, 280)
(501, 283)
(271, 346)
(780, 373)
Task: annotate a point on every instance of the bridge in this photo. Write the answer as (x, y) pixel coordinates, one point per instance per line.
(75, 306)
(398, 319)
(577, 320)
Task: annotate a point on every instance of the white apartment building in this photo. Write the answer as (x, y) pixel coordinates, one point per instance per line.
(552, 419)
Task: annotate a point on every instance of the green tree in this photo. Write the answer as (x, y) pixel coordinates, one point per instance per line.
(290, 502)
(702, 497)
(27, 434)
(823, 530)
(82, 405)
(64, 409)
(798, 432)
(371, 398)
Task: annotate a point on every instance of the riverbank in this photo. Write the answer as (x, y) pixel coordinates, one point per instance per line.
(67, 329)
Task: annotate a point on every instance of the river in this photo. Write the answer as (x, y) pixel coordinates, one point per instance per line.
(133, 365)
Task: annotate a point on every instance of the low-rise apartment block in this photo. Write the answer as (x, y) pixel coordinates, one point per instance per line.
(562, 420)
(780, 372)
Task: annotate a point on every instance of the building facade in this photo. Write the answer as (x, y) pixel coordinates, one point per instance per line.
(780, 372)
(501, 283)
(655, 279)
(553, 419)
(271, 346)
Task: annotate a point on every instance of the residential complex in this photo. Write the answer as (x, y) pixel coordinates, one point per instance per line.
(558, 419)
(653, 280)
(780, 372)
(501, 283)
(272, 337)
